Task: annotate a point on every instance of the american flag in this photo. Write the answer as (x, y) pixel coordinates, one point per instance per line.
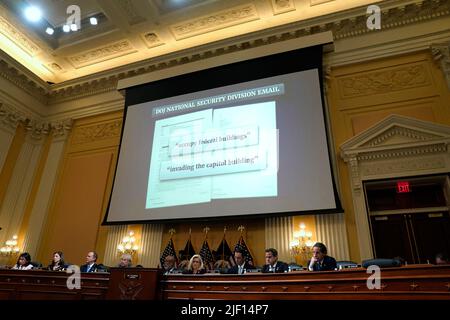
(206, 254)
(188, 250)
(168, 251)
(223, 252)
(241, 246)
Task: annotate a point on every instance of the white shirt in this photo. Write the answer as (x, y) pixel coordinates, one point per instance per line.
(28, 267)
(240, 269)
(89, 267)
(273, 268)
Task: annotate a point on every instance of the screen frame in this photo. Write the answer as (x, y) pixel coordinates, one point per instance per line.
(280, 63)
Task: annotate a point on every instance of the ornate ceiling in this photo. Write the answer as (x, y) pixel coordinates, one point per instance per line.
(130, 31)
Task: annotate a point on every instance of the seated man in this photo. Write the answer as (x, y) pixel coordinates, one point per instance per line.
(320, 261)
(241, 266)
(272, 263)
(125, 261)
(91, 263)
(441, 258)
(169, 265)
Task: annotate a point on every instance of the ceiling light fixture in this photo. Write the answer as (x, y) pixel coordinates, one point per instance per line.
(66, 28)
(33, 14)
(73, 27)
(93, 21)
(49, 30)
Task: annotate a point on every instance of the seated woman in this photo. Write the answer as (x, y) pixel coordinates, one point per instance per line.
(57, 263)
(24, 262)
(195, 265)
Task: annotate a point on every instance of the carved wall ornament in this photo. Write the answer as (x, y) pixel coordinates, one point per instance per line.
(10, 118)
(408, 134)
(61, 129)
(86, 134)
(16, 36)
(378, 82)
(441, 54)
(151, 39)
(219, 20)
(55, 67)
(282, 6)
(110, 51)
(403, 166)
(38, 129)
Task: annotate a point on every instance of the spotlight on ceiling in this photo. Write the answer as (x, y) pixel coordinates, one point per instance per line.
(93, 21)
(66, 28)
(49, 30)
(73, 27)
(33, 14)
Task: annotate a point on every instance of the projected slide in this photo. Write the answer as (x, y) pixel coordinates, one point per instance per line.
(197, 157)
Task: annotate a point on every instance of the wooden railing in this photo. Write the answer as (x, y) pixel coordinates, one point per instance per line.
(411, 282)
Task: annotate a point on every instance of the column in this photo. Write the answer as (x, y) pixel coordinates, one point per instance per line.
(20, 185)
(115, 236)
(151, 239)
(331, 231)
(278, 234)
(9, 119)
(40, 207)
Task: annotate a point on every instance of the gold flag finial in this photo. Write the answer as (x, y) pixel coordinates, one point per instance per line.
(205, 230)
(241, 229)
(172, 232)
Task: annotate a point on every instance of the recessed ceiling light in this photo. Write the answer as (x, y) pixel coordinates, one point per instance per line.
(33, 14)
(73, 27)
(66, 28)
(49, 31)
(93, 21)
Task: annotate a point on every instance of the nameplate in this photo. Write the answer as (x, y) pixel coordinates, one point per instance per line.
(131, 276)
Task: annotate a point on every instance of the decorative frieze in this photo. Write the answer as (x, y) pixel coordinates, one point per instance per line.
(403, 166)
(86, 134)
(219, 20)
(110, 51)
(19, 38)
(396, 79)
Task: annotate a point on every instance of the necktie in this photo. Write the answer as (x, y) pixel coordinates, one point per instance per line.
(240, 269)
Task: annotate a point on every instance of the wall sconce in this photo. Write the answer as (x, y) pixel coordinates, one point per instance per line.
(128, 244)
(10, 247)
(301, 245)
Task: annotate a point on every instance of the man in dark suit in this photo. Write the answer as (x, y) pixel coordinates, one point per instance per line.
(272, 263)
(169, 265)
(91, 263)
(241, 266)
(320, 261)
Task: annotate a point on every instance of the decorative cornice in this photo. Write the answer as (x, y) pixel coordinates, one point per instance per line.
(441, 54)
(226, 18)
(18, 37)
(344, 25)
(22, 81)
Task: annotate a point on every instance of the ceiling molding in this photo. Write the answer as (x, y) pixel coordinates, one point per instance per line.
(344, 25)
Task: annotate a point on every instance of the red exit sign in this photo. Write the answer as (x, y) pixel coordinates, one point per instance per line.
(403, 187)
